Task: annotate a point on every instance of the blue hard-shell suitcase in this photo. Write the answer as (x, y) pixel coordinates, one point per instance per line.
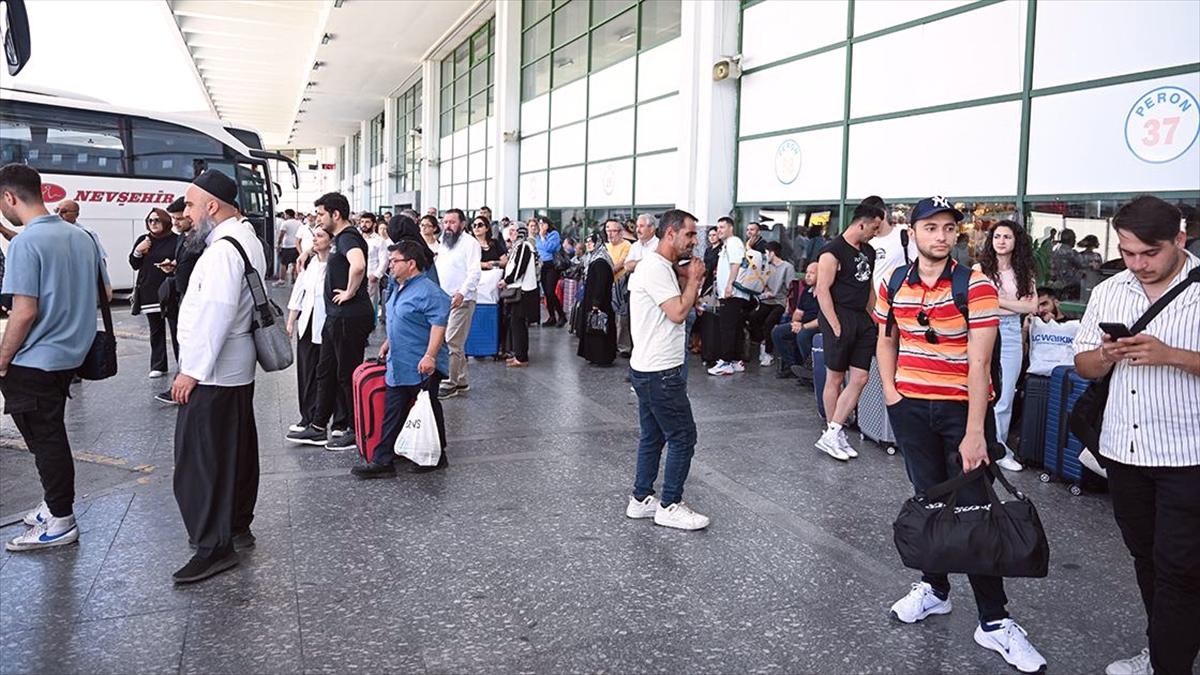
(1060, 454)
(484, 337)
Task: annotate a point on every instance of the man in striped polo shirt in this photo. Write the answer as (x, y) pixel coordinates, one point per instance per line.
(934, 361)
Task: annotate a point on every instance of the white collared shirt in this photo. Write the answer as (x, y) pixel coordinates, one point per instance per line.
(458, 268)
(637, 250)
(308, 298)
(1153, 413)
(215, 344)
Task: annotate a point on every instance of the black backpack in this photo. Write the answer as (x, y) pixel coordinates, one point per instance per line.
(960, 282)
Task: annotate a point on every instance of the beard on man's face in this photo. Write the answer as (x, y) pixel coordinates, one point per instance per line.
(197, 238)
(450, 237)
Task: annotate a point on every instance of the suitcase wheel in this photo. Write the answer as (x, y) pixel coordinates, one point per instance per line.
(1045, 478)
(1075, 491)
(891, 449)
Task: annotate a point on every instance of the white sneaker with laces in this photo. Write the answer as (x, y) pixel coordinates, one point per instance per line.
(738, 366)
(680, 516)
(765, 359)
(828, 444)
(1011, 642)
(37, 516)
(920, 603)
(53, 532)
(1134, 665)
(722, 368)
(155, 374)
(844, 444)
(1009, 461)
(646, 508)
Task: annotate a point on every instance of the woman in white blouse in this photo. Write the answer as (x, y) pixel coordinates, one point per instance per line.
(306, 318)
(375, 244)
(377, 268)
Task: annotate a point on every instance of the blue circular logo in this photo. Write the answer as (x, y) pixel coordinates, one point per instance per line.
(1162, 125)
(787, 162)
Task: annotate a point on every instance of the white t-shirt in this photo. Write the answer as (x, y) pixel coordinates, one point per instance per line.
(305, 237)
(289, 227)
(657, 341)
(889, 254)
(637, 250)
(732, 254)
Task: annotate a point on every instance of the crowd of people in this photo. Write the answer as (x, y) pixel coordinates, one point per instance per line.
(887, 299)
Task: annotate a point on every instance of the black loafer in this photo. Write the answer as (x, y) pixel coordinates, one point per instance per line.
(199, 569)
(372, 470)
(243, 540)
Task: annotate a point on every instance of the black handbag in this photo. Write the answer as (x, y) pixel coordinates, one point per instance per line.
(1002, 539)
(1087, 417)
(510, 295)
(597, 322)
(101, 360)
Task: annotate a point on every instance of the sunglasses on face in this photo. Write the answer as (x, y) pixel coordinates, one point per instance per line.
(153, 220)
(480, 225)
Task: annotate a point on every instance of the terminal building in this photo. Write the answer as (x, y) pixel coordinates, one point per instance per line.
(785, 111)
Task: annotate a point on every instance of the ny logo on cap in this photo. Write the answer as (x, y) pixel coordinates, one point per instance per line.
(940, 202)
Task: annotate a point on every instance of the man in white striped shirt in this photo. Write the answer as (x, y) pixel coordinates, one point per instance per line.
(1150, 438)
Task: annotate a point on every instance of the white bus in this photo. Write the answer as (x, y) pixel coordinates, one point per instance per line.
(118, 164)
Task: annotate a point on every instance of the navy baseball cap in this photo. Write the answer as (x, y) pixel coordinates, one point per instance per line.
(933, 205)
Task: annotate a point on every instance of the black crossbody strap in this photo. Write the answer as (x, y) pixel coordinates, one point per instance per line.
(1166, 298)
(258, 294)
(101, 296)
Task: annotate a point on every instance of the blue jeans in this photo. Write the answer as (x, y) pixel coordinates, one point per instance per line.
(1012, 351)
(666, 418)
(793, 348)
(929, 433)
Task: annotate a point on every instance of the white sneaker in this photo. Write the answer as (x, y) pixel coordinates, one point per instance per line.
(155, 374)
(1134, 665)
(920, 603)
(1009, 462)
(738, 366)
(298, 427)
(53, 532)
(1010, 641)
(680, 516)
(765, 360)
(37, 516)
(646, 508)
(844, 444)
(828, 444)
(722, 368)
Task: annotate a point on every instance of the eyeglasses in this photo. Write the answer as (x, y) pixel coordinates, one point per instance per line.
(153, 220)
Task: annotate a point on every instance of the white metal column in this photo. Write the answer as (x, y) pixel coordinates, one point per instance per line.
(431, 104)
(508, 108)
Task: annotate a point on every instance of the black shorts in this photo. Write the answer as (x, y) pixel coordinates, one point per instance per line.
(288, 256)
(856, 346)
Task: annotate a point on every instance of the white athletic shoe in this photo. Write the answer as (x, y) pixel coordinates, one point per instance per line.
(680, 516)
(1009, 461)
(722, 368)
(844, 444)
(738, 366)
(643, 509)
(297, 427)
(155, 374)
(37, 516)
(920, 603)
(1134, 665)
(765, 360)
(828, 444)
(1011, 642)
(53, 532)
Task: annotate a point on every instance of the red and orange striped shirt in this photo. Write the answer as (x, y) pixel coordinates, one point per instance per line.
(936, 371)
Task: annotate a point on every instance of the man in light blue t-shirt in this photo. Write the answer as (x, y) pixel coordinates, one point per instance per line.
(51, 273)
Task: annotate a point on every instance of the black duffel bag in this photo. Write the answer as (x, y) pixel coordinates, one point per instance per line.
(1001, 539)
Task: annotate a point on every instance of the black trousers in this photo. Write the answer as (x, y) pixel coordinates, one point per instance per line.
(158, 339)
(343, 341)
(549, 282)
(518, 325)
(396, 404)
(732, 316)
(37, 401)
(307, 356)
(762, 321)
(1158, 512)
(216, 465)
(929, 433)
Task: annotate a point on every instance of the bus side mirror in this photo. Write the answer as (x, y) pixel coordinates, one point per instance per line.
(16, 35)
(278, 189)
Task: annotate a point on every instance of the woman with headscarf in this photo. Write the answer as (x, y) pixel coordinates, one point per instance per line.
(403, 228)
(521, 272)
(147, 256)
(596, 324)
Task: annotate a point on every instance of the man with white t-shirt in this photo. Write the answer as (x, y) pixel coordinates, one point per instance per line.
(731, 314)
(658, 372)
(285, 245)
(892, 244)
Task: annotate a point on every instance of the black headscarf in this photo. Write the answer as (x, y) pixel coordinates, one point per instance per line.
(402, 228)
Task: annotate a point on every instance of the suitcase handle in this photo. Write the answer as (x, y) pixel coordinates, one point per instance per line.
(376, 360)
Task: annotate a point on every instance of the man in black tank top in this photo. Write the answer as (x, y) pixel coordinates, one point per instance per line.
(844, 270)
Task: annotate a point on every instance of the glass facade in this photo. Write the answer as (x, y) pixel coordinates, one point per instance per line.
(467, 121)
(1047, 126)
(599, 91)
(406, 166)
(377, 183)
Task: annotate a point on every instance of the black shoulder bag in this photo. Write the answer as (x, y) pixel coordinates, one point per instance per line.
(101, 360)
(1087, 417)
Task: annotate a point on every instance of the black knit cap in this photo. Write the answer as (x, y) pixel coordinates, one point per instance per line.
(218, 185)
(176, 206)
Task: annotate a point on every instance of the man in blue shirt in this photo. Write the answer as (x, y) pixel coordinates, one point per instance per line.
(793, 341)
(52, 276)
(417, 358)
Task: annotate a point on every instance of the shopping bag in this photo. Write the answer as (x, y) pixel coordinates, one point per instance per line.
(419, 440)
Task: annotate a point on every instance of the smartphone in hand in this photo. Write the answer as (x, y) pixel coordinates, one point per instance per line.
(1116, 330)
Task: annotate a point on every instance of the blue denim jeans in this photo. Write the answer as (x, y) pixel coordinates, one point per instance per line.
(793, 348)
(666, 418)
(1012, 352)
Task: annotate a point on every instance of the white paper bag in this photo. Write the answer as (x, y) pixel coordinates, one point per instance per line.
(419, 440)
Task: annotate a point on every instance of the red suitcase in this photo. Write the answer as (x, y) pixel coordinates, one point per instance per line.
(370, 390)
